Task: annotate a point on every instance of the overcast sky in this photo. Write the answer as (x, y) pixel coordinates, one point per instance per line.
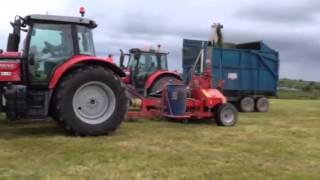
(292, 27)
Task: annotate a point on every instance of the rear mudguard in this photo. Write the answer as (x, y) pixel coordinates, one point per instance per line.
(159, 74)
(82, 60)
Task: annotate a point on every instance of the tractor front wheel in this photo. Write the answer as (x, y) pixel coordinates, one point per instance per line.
(226, 115)
(91, 101)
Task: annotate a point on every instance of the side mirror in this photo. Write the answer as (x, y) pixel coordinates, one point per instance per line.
(121, 58)
(1, 51)
(13, 42)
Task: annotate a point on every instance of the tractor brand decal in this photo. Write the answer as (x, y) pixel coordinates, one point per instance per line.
(6, 74)
(8, 66)
(232, 76)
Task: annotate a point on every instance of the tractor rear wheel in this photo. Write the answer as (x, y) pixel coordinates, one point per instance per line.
(226, 115)
(91, 101)
(262, 104)
(160, 83)
(246, 104)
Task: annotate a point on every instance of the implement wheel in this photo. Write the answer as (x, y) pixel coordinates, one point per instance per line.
(226, 115)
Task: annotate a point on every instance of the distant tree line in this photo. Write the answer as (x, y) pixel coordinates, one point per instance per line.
(302, 89)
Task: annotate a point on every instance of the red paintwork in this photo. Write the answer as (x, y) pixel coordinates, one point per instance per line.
(203, 97)
(74, 60)
(151, 107)
(10, 67)
(10, 55)
(157, 74)
(127, 78)
(10, 71)
(155, 108)
(221, 85)
(211, 97)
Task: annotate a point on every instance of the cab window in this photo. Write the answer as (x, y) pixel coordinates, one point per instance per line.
(163, 62)
(50, 45)
(85, 41)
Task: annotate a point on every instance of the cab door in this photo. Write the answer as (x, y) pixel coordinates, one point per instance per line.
(50, 46)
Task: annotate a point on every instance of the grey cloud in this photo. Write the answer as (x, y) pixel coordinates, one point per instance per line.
(154, 26)
(294, 47)
(287, 26)
(299, 52)
(277, 12)
(298, 42)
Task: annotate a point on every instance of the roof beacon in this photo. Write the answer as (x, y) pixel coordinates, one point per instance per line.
(82, 11)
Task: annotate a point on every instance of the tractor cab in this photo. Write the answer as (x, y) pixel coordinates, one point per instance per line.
(142, 64)
(50, 41)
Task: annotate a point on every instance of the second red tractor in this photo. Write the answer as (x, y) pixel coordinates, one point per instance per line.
(147, 70)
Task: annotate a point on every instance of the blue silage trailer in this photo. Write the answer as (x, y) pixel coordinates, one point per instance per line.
(250, 71)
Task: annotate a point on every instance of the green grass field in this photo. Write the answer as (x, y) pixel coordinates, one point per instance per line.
(281, 144)
(299, 95)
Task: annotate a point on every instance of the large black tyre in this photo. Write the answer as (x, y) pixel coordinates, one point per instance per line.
(246, 104)
(159, 84)
(262, 104)
(90, 101)
(226, 115)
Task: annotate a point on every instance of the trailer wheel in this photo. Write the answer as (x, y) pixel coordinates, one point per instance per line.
(226, 115)
(91, 101)
(246, 104)
(262, 104)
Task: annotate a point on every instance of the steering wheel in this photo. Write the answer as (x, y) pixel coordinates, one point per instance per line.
(140, 68)
(49, 48)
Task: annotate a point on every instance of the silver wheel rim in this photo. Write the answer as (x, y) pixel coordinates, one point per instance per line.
(94, 102)
(247, 104)
(227, 116)
(263, 104)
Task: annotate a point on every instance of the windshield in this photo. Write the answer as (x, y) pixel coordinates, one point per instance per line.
(50, 45)
(51, 41)
(163, 62)
(132, 62)
(148, 62)
(85, 40)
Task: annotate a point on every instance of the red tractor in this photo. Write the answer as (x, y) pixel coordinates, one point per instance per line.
(147, 71)
(57, 74)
